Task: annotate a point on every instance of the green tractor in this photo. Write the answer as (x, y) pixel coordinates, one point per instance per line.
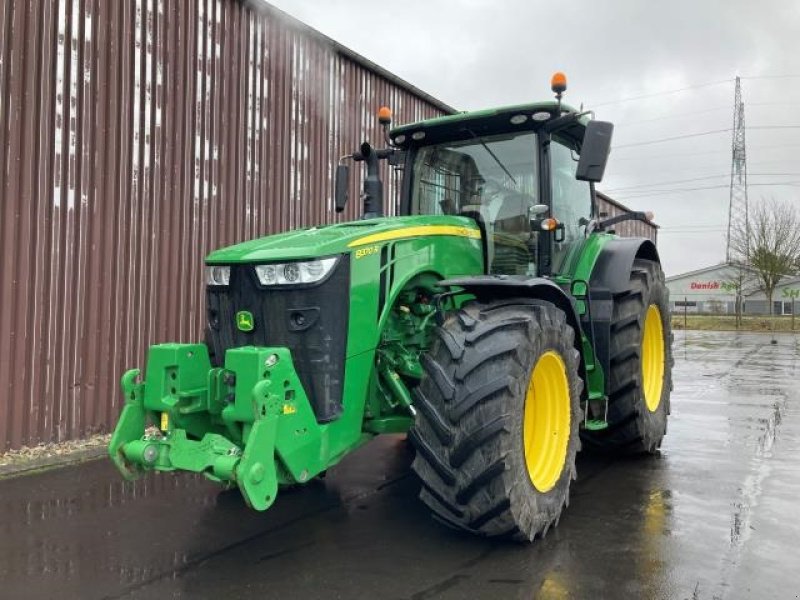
(497, 321)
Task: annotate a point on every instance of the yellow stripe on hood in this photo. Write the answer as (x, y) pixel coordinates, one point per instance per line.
(422, 230)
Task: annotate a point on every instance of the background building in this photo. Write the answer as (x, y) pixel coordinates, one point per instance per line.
(785, 299)
(608, 207)
(708, 290)
(712, 290)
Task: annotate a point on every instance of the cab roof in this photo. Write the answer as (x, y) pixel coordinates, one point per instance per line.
(465, 125)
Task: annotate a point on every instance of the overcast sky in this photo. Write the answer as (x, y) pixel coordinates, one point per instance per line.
(480, 53)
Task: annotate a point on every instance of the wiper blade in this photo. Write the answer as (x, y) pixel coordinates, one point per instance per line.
(492, 154)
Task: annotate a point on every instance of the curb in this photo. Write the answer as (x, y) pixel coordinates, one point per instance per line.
(45, 463)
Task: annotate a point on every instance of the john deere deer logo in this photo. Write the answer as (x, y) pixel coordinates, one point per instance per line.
(244, 320)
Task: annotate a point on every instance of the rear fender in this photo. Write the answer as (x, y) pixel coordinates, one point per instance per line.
(611, 276)
(613, 267)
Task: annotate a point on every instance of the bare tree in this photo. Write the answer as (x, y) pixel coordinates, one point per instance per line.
(771, 243)
(743, 279)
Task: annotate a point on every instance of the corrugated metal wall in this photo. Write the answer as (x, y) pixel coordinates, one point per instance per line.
(608, 207)
(135, 136)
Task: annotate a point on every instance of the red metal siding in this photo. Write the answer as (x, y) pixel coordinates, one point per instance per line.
(136, 136)
(611, 208)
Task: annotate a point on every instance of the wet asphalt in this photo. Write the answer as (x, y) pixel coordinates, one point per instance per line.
(715, 515)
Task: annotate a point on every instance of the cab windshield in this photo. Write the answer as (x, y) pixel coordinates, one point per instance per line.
(493, 177)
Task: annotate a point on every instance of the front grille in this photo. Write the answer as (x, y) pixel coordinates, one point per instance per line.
(310, 320)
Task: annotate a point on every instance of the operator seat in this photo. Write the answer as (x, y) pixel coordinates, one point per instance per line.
(511, 233)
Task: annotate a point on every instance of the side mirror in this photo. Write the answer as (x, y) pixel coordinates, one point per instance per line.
(341, 187)
(594, 151)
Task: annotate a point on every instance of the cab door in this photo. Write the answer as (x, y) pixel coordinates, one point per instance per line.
(570, 201)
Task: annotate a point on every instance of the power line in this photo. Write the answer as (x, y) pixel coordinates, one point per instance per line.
(662, 93)
(673, 155)
(673, 138)
(691, 87)
(678, 116)
(702, 133)
(647, 185)
(770, 77)
(717, 152)
(676, 191)
(700, 188)
(690, 113)
(751, 104)
(774, 127)
(772, 162)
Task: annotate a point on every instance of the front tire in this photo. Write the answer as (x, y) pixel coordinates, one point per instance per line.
(498, 414)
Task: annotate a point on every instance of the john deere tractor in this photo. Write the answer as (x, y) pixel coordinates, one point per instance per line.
(497, 320)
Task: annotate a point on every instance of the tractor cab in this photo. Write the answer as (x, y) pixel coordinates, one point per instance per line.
(512, 171)
(524, 173)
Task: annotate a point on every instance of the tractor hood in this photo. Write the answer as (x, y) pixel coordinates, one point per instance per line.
(341, 237)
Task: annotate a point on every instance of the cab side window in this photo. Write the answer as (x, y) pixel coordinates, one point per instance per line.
(571, 200)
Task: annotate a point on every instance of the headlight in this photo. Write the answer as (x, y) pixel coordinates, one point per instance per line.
(217, 275)
(309, 271)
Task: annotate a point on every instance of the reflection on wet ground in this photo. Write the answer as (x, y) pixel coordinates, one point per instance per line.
(714, 516)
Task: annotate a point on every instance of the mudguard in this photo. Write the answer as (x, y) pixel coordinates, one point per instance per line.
(611, 276)
(613, 267)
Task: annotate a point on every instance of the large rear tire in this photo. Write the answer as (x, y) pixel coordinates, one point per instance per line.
(640, 377)
(498, 414)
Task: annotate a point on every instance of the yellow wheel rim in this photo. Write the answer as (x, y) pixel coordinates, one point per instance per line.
(546, 426)
(653, 358)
